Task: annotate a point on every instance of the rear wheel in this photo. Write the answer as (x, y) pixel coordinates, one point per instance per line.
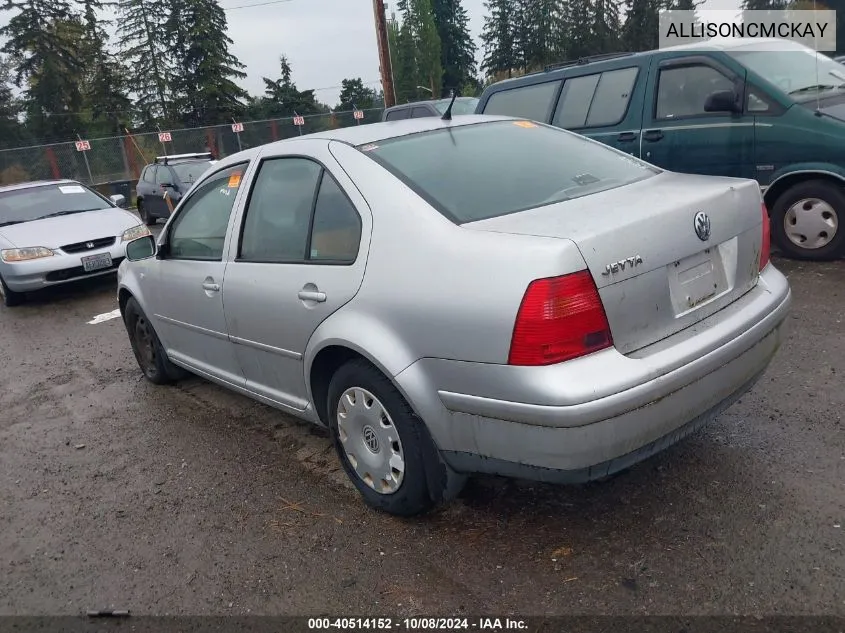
(151, 357)
(383, 446)
(10, 297)
(808, 221)
(146, 218)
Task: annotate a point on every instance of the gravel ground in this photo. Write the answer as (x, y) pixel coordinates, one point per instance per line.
(189, 499)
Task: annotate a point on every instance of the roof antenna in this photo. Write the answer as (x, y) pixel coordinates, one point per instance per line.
(447, 116)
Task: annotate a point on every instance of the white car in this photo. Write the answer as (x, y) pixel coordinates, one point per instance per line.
(59, 231)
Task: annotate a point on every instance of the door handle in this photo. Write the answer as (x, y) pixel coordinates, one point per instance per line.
(625, 137)
(312, 295)
(211, 287)
(652, 135)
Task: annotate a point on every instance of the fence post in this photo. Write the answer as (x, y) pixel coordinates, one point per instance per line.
(210, 141)
(127, 169)
(274, 130)
(54, 164)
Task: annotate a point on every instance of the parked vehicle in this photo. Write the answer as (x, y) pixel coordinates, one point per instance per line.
(419, 109)
(58, 231)
(728, 108)
(170, 176)
(446, 307)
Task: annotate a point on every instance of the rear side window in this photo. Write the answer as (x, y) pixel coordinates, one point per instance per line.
(484, 170)
(528, 102)
(418, 113)
(150, 174)
(595, 100)
(164, 176)
(396, 115)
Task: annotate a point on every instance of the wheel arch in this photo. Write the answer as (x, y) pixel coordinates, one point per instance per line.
(785, 181)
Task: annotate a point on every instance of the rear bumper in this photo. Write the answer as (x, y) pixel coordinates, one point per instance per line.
(586, 418)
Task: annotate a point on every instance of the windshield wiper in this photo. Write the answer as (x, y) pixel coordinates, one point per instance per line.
(11, 222)
(58, 213)
(816, 88)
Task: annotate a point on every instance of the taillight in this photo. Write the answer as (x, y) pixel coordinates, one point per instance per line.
(560, 318)
(767, 238)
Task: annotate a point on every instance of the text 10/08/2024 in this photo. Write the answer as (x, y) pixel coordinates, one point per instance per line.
(418, 624)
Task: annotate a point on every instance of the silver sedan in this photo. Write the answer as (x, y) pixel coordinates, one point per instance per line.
(55, 232)
(450, 297)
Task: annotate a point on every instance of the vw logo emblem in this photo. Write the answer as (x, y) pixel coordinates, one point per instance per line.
(371, 439)
(702, 226)
(89, 244)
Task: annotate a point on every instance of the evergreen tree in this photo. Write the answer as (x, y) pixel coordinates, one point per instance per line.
(282, 98)
(606, 26)
(457, 55)
(105, 85)
(354, 92)
(427, 45)
(142, 42)
(11, 131)
(202, 85)
(42, 42)
(403, 50)
(497, 38)
(640, 32)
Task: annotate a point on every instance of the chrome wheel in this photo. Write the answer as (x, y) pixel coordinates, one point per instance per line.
(810, 223)
(370, 440)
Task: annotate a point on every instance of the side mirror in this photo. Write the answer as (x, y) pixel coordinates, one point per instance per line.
(141, 248)
(118, 199)
(722, 101)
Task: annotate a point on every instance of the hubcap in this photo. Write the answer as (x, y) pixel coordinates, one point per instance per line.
(144, 344)
(370, 440)
(810, 223)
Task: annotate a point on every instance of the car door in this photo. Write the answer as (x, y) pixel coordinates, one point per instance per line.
(190, 274)
(677, 132)
(300, 257)
(598, 105)
(145, 188)
(165, 179)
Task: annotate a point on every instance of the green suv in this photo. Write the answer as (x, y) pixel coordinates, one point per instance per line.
(770, 110)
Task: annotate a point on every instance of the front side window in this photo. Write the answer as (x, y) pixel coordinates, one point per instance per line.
(527, 102)
(683, 91)
(199, 230)
(45, 201)
(484, 170)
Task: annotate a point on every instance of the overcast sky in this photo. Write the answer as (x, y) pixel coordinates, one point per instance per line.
(325, 40)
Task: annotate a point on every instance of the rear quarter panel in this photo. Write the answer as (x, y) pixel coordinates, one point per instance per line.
(431, 288)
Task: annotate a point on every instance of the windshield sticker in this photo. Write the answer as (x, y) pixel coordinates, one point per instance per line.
(71, 189)
(235, 180)
(369, 148)
(525, 124)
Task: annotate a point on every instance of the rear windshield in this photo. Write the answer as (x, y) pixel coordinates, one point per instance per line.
(485, 170)
(189, 172)
(461, 106)
(33, 203)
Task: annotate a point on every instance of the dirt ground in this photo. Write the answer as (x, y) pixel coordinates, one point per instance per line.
(189, 499)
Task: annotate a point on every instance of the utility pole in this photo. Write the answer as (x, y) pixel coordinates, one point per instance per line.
(384, 54)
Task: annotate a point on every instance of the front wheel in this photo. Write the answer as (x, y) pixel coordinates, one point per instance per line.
(151, 357)
(10, 297)
(808, 221)
(384, 447)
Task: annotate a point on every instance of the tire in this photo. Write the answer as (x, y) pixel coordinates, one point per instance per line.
(425, 480)
(151, 357)
(10, 297)
(821, 204)
(146, 218)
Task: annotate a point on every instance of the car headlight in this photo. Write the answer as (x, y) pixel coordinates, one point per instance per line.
(134, 233)
(24, 254)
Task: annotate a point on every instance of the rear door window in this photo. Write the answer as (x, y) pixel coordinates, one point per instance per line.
(418, 113)
(595, 100)
(149, 174)
(396, 115)
(529, 102)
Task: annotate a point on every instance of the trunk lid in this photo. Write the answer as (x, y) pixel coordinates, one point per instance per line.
(654, 274)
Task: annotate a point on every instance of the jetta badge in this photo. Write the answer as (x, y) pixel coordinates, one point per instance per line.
(622, 264)
(702, 226)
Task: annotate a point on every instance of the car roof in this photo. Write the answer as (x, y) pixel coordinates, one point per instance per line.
(38, 183)
(375, 132)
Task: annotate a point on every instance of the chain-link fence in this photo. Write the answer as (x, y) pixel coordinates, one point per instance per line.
(121, 158)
